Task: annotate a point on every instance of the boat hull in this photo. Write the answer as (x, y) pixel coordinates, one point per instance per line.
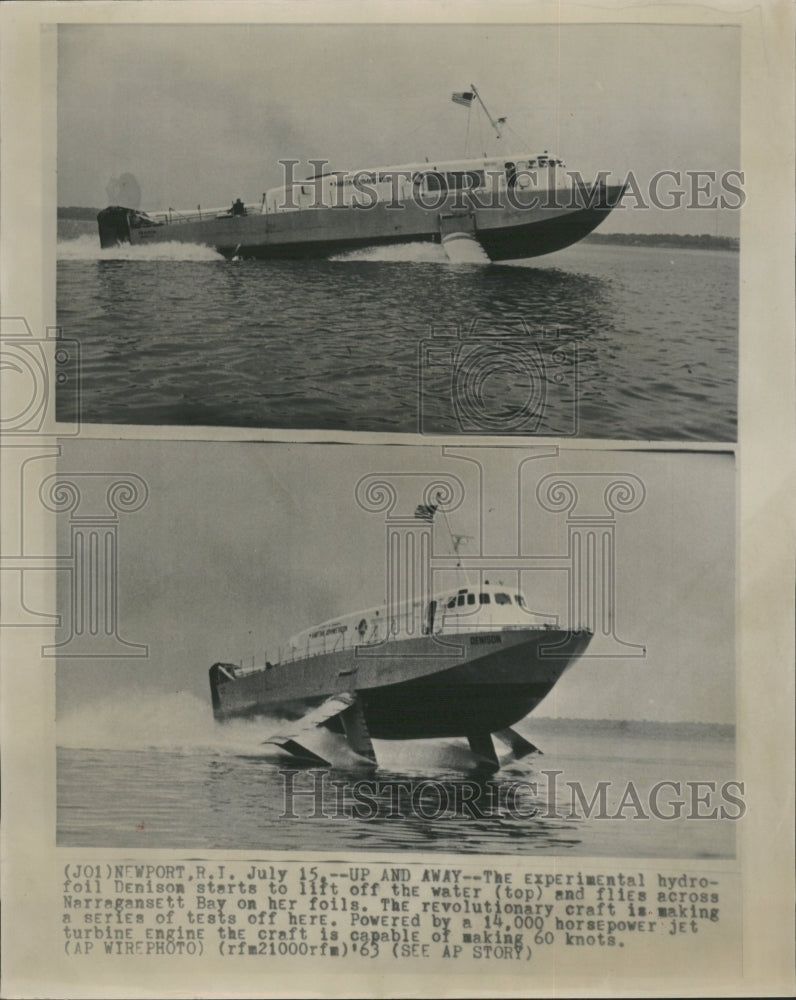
(418, 688)
(505, 233)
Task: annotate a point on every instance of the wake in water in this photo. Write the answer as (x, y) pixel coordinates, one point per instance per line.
(161, 722)
(401, 253)
(87, 247)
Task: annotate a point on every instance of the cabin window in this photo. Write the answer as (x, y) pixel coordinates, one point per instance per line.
(464, 180)
(502, 599)
(452, 603)
(520, 600)
(460, 600)
(471, 598)
(483, 598)
(434, 182)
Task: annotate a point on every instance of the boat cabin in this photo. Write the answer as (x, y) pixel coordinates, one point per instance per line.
(475, 608)
(427, 185)
(424, 183)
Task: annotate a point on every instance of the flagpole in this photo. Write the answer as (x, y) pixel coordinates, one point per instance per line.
(492, 121)
(454, 544)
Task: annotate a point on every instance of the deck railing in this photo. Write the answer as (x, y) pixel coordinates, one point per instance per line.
(173, 216)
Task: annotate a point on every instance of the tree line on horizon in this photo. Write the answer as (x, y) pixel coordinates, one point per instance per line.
(676, 240)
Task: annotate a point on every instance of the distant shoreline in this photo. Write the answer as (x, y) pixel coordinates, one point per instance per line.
(675, 241)
(645, 728)
(73, 212)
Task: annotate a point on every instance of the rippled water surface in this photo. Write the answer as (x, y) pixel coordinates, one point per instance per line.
(594, 341)
(197, 785)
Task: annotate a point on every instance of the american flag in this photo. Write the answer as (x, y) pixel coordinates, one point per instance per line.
(425, 512)
(463, 97)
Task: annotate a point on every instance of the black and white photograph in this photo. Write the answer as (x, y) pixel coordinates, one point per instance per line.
(286, 617)
(466, 228)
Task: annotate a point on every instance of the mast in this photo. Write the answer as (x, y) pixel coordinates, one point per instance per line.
(455, 542)
(495, 124)
(427, 512)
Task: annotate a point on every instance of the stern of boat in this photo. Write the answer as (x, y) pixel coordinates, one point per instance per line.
(114, 226)
(220, 674)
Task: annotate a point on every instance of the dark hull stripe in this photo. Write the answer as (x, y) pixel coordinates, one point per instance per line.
(485, 693)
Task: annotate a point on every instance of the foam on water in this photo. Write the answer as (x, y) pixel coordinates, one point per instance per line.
(87, 247)
(401, 253)
(164, 721)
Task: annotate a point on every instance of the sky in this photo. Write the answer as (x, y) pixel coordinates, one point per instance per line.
(200, 115)
(241, 545)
